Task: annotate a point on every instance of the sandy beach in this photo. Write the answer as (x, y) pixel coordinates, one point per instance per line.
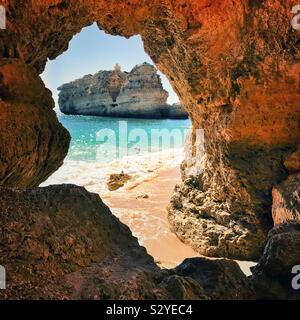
(141, 203)
(147, 218)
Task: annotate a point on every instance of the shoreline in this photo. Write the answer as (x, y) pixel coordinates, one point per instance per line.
(147, 218)
(142, 203)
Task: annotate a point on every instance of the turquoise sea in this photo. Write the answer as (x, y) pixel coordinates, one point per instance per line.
(104, 139)
(101, 146)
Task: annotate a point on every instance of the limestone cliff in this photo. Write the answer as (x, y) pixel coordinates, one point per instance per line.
(137, 94)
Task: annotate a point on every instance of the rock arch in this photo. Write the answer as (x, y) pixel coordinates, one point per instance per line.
(234, 64)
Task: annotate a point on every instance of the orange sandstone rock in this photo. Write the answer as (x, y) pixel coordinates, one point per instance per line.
(286, 200)
(33, 143)
(234, 65)
(292, 162)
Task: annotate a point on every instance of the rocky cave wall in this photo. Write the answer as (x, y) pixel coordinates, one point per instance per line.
(234, 65)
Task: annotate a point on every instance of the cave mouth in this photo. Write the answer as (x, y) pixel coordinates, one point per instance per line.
(150, 157)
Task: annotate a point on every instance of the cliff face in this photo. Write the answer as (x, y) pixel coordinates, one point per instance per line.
(137, 94)
(234, 65)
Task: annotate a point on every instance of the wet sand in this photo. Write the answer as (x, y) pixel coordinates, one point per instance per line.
(147, 218)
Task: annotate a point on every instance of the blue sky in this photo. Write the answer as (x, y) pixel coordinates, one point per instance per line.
(93, 50)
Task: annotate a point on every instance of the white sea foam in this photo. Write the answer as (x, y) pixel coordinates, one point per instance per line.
(94, 176)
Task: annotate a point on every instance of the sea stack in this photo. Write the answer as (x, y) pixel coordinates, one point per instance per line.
(135, 94)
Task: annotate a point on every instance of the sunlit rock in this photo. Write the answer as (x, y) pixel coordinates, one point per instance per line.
(137, 94)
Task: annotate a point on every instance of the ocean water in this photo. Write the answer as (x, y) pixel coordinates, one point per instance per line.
(101, 146)
(86, 167)
(98, 139)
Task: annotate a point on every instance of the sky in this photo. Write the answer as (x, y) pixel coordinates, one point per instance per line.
(93, 50)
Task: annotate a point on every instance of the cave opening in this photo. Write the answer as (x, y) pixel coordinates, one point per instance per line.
(135, 179)
(237, 73)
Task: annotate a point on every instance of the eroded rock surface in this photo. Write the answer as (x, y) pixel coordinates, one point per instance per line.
(209, 227)
(117, 181)
(292, 162)
(137, 94)
(194, 279)
(62, 242)
(33, 143)
(273, 276)
(234, 65)
(48, 232)
(286, 200)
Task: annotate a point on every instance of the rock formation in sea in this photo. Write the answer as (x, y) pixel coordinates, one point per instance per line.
(135, 94)
(117, 181)
(235, 67)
